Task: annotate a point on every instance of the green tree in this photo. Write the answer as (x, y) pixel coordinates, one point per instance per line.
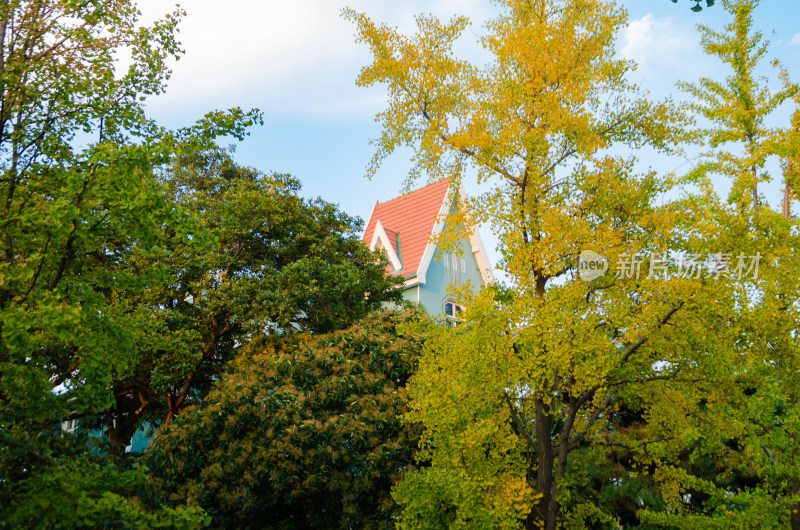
(301, 432)
(516, 399)
(77, 157)
(279, 264)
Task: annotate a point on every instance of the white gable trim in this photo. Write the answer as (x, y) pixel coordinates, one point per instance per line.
(430, 248)
(478, 248)
(380, 235)
(372, 214)
(475, 241)
(479, 251)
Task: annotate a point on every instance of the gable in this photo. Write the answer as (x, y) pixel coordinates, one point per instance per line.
(389, 242)
(404, 228)
(408, 222)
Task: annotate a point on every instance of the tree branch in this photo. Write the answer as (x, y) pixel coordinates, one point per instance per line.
(518, 422)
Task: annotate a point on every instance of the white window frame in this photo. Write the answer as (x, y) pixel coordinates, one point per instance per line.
(452, 320)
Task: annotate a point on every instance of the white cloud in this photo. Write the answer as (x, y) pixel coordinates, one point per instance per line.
(252, 42)
(297, 56)
(666, 51)
(654, 42)
(795, 40)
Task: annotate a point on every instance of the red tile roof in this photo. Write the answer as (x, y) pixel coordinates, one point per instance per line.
(412, 217)
(393, 237)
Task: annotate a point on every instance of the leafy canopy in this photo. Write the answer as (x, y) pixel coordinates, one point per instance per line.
(274, 263)
(736, 110)
(79, 198)
(513, 401)
(300, 433)
(744, 472)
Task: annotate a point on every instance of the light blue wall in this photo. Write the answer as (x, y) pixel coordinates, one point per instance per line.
(142, 438)
(412, 294)
(437, 287)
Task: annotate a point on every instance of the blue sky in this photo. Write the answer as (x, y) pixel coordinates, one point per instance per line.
(297, 62)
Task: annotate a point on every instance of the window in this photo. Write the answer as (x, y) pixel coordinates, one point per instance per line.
(452, 312)
(69, 425)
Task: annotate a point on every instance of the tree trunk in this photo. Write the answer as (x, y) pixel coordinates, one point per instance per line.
(786, 202)
(786, 193)
(543, 429)
(794, 518)
(561, 465)
(544, 472)
(122, 426)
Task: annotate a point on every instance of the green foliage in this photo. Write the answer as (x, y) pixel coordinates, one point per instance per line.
(301, 432)
(265, 260)
(79, 199)
(125, 286)
(86, 489)
(741, 468)
(292, 264)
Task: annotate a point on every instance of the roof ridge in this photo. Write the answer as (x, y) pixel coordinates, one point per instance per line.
(406, 195)
(409, 220)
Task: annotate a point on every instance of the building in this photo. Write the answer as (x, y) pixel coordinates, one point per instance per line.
(406, 228)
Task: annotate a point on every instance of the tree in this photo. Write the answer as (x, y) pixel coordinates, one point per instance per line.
(78, 196)
(301, 432)
(754, 479)
(736, 109)
(278, 264)
(529, 384)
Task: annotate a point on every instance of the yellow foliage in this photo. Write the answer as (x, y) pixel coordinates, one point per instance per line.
(535, 371)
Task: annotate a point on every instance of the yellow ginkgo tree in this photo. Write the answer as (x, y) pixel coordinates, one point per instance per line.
(737, 109)
(623, 287)
(746, 475)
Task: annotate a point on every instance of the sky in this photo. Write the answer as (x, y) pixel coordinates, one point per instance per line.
(297, 62)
